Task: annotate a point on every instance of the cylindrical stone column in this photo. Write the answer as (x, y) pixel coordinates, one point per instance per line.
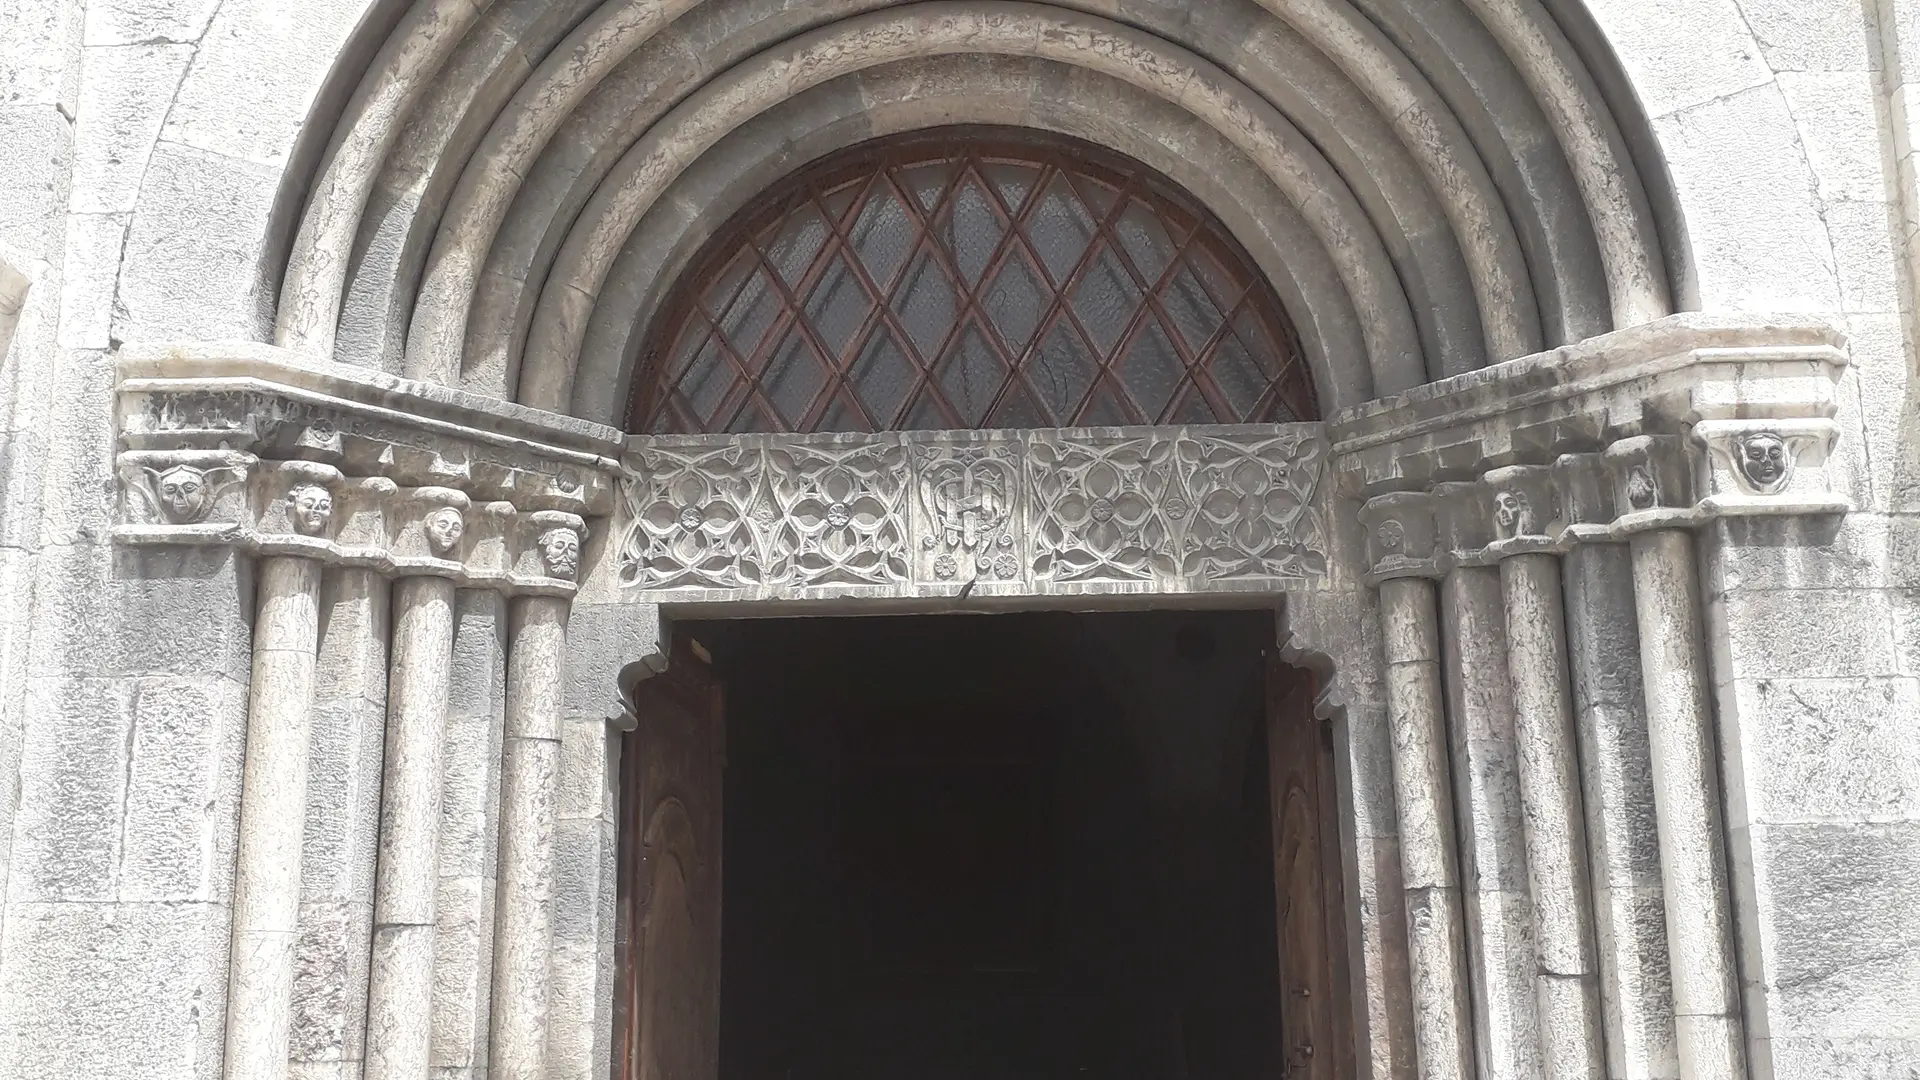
(1442, 1013)
(400, 983)
(1566, 984)
(528, 770)
(1686, 799)
(273, 792)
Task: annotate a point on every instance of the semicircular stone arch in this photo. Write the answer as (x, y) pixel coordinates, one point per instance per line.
(1434, 187)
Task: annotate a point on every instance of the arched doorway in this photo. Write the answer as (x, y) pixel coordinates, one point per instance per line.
(970, 279)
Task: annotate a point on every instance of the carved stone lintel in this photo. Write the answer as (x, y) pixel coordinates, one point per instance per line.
(996, 513)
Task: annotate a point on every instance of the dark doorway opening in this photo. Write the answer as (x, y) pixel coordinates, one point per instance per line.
(1020, 846)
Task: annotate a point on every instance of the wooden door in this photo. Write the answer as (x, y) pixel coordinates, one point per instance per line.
(1315, 1021)
(668, 1027)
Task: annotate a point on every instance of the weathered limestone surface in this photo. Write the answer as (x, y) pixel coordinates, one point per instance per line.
(1475, 170)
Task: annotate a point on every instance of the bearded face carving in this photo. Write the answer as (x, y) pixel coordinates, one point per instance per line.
(560, 548)
(445, 527)
(310, 508)
(1763, 460)
(183, 493)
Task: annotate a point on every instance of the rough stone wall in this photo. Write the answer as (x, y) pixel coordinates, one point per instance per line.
(123, 676)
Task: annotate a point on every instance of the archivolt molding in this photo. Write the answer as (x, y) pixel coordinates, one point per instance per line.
(487, 204)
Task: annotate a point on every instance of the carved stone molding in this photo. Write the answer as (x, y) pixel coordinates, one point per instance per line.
(259, 448)
(1669, 425)
(993, 513)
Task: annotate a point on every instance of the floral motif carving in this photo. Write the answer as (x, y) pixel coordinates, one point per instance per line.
(1251, 498)
(1176, 508)
(838, 514)
(1100, 509)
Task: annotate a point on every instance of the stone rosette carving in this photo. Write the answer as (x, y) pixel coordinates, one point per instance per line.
(1004, 513)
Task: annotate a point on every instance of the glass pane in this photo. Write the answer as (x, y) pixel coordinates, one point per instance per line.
(1238, 376)
(971, 375)
(794, 377)
(927, 182)
(973, 231)
(1017, 410)
(925, 305)
(753, 311)
(1105, 410)
(798, 240)
(842, 415)
(1061, 370)
(1144, 236)
(1012, 181)
(705, 383)
(882, 235)
(1060, 229)
(1193, 314)
(1151, 370)
(882, 376)
(1105, 299)
(1015, 301)
(1192, 408)
(837, 306)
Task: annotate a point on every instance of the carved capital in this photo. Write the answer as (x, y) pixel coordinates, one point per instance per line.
(1652, 484)
(1527, 514)
(1402, 538)
(1776, 466)
(185, 487)
(555, 539)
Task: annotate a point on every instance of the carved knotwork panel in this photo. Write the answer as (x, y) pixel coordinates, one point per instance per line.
(1004, 513)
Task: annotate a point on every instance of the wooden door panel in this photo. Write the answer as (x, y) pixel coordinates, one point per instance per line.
(1315, 1025)
(670, 874)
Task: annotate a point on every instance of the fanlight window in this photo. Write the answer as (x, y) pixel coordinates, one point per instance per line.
(961, 283)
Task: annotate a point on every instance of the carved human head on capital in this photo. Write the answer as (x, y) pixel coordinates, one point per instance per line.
(1764, 461)
(310, 508)
(560, 549)
(183, 493)
(1512, 514)
(445, 527)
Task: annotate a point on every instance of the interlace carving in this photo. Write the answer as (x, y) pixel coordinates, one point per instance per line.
(1009, 512)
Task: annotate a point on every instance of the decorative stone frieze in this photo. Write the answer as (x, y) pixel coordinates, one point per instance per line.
(988, 514)
(256, 447)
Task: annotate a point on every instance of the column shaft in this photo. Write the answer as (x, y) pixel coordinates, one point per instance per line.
(1623, 838)
(1555, 826)
(266, 886)
(530, 761)
(1493, 856)
(1442, 1017)
(400, 990)
(1686, 796)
